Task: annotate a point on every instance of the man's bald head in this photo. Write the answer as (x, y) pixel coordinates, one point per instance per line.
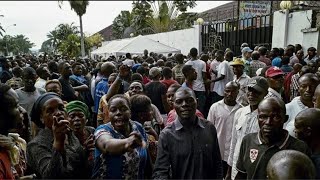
(273, 100)
(290, 164)
(186, 90)
(309, 118)
(107, 68)
(233, 84)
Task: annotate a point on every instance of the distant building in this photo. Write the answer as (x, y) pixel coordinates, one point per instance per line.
(106, 33)
(231, 10)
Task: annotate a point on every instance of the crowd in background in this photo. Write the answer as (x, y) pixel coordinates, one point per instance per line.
(208, 115)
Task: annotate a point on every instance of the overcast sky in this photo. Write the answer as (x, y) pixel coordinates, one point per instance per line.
(35, 19)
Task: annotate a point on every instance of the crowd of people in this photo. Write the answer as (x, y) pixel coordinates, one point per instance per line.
(208, 115)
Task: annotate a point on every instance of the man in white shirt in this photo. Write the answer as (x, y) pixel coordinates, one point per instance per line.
(241, 78)
(43, 75)
(221, 114)
(128, 61)
(245, 120)
(198, 84)
(224, 75)
(307, 86)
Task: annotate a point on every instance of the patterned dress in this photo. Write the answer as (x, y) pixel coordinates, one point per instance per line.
(129, 165)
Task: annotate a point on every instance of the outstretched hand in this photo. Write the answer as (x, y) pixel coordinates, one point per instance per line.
(135, 140)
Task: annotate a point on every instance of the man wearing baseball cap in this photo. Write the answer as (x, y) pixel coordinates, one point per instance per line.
(246, 58)
(246, 120)
(275, 79)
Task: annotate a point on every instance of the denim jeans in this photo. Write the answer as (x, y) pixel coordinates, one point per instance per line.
(201, 99)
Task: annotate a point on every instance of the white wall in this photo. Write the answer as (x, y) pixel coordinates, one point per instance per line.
(181, 39)
(299, 25)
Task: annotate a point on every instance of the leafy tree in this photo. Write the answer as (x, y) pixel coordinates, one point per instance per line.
(71, 46)
(120, 23)
(80, 7)
(141, 11)
(18, 44)
(92, 41)
(53, 40)
(150, 16)
(64, 30)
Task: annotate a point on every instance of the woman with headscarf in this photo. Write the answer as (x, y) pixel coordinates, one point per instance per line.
(12, 147)
(120, 144)
(78, 113)
(55, 152)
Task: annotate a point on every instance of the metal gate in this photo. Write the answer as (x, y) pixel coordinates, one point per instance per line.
(231, 34)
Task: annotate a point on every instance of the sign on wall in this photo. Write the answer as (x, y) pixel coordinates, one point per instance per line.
(250, 9)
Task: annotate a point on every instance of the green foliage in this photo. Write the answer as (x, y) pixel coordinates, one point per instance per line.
(120, 23)
(57, 36)
(71, 46)
(17, 44)
(149, 16)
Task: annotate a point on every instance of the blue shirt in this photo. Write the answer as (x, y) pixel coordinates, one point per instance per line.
(128, 165)
(79, 78)
(276, 62)
(101, 89)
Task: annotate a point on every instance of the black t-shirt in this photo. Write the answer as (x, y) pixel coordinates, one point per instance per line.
(68, 93)
(254, 155)
(154, 91)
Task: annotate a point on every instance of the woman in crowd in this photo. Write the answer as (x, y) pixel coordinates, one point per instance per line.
(120, 144)
(78, 113)
(12, 147)
(55, 152)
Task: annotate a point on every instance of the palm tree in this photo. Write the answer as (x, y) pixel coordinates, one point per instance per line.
(53, 39)
(164, 15)
(80, 8)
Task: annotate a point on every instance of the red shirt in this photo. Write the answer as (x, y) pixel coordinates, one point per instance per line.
(145, 80)
(168, 82)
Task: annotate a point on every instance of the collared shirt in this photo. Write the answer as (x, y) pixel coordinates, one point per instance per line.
(189, 153)
(254, 66)
(243, 80)
(273, 93)
(293, 108)
(245, 122)
(222, 117)
(255, 155)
